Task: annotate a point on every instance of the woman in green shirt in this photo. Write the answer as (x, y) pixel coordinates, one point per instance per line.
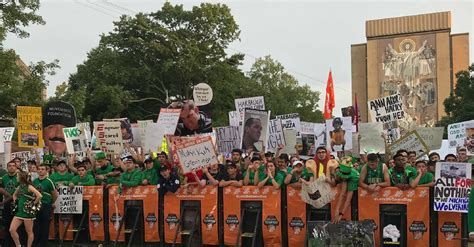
(24, 193)
(270, 177)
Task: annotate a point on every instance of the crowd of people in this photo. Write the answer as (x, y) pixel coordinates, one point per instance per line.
(39, 183)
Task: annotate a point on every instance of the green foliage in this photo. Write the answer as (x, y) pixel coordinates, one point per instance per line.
(18, 14)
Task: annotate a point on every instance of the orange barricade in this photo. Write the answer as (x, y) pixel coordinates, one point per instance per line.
(95, 196)
(271, 212)
(449, 229)
(418, 211)
(65, 219)
(296, 216)
(149, 196)
(172, 210)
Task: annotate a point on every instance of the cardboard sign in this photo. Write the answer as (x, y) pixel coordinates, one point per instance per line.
(257, 103)
(202, 94)
(457, 134)
(127, 135)
(76, 140)
(411, 141)
(24, 156)
(30, 127)
(168, 119)
(154, 136)
(452, 188)
(291, 122)
(433, 137)
(318, 193)
(339, 134)
(69, 200)
(255, 129)
(196, 153)
(276, 136)
(227, 139)
(234, 118)
(290, 141)
(109, 137)
(371, 137)
(386, 109)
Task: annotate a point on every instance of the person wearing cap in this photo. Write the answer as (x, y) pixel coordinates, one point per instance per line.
(250, 174)
(374, 175)
(348, 177)
(423, 177)
(401, 176)
(162, 159)
(270, 176)
(434, 156)
(56, 116)
(232, 176)
(132, 177)
(298, 174)
(61, 176)
(149, 174)
(82, 178)
(213, 174)
(168, 181)
(102, 167)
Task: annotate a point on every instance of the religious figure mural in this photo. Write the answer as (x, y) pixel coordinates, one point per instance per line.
(408, 66)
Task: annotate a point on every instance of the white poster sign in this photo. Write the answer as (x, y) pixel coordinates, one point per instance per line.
(411, 141)
(318, 193)
(196, 153)
(76, 140)
(257, 103)
(371, 137)
(386, 109)
(24, 156)
(234, 119)
(457, 134)
(339, 134)
(433, 137)
(469, 141)
(255, 130)
(69, 200)
(276, 137)
(290, 140)
(202, 94)
(228, 138)
(291, 121)
(8, 133)
(109, 137)
(452, 187)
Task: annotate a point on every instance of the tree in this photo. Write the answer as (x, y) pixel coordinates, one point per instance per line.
(15, 15)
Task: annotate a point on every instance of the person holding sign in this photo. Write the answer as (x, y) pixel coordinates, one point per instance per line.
(423, 178)
(132, 177)
(83, 178)
(402, 176)
(49, 195)
(270, 177)
(25, 193)
(150, 174)
(213, 174)
(374, 175)
(61, 176)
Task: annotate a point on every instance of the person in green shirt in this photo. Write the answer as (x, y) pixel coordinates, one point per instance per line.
(374, 175)
(102, 168)
(250, 175)
(61, 176)
(150, 174)
(83, 178)
(348, 177)
(424, 178)
(270, 177)
(402, 175)
(10, 183)
(132, 177)
(298, 175)
(49, 194)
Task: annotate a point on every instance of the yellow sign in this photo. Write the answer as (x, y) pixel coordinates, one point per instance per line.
(30, 128)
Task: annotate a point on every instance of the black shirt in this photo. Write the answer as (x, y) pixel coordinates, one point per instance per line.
(171, 184)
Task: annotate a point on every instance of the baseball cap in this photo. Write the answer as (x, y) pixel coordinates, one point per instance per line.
(297, 162)
(59, 112)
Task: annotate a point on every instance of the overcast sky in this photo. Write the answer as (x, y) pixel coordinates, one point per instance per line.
(307, 37)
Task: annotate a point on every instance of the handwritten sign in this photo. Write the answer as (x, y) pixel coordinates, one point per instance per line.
(234, 119)
(387, 109)
(371, 137)
(276, 136)
(452, 188)
(196, 153)
(291, 121)
(8, 133)
(228, 138)
(30, 127)
(411, 141)
(109, 137)
(257, 103)
(69, 200)
(76, 140)
(433, 137)
(202, 94)
(24, 156)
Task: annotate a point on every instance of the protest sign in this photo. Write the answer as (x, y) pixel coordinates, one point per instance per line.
(142, 130)
(8, 133)
(391, 132)
(154, 136)
(291, 122)
(290, 142)
(371, 137)
(452, 187)
(234, 119)
(24, 156)
(137, 138)
(320, 134)
(457, 134)
(386, 109)
(307, 127)
(30, 126)
(411, 141)
(257, 103)
(227, 139)
(196, 152)
(469, 141)
(167, 120)
(2, 140)
(125, 128)
(69, 200)
(433, 137)
(307, 142)
(87, 130)
(276, 136)
(339, 134)
(318, 193)
(75, 139)
(109, 137)
(255, 129)
(202, 94)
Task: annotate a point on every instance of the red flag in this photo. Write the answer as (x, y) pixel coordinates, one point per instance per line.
(329, 102)
(356, 112)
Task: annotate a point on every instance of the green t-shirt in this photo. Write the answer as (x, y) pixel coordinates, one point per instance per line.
(61, 179)
(151, 175)
(374, 176)
(288, 170)
(103, 171)
(131, 179)
(46, 187)
(278, 178)
(403, 177)
(87, 180)
(261, 169)
(353, 181)
(426, 178)
(305, 174)
(10, 183)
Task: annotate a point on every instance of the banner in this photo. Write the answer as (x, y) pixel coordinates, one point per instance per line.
(371, 137)
(386, 109)
(433, 137)
(69, 200)
(234, 118)
(276, 136)
(94, 196)
(109, 137)
(411, 141)
(196, 153)
(339, 134)
(296, 215)
(457, 134)
(318, 193)
(291, 121)
(227, 139)
(202, 94)
(255, 130)
(416, 216)
(452, 188)
(30, 126)
(207, 198)
(76, 139)
(271, 212)
(257, 103)
(149, 196)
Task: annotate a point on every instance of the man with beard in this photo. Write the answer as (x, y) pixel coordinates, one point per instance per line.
(56, 116)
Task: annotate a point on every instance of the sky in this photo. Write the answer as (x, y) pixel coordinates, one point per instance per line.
(308, 38)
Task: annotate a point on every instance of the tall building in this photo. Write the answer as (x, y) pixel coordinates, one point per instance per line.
(416, 56)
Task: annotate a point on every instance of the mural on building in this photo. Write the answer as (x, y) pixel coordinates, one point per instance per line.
(408, 65)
